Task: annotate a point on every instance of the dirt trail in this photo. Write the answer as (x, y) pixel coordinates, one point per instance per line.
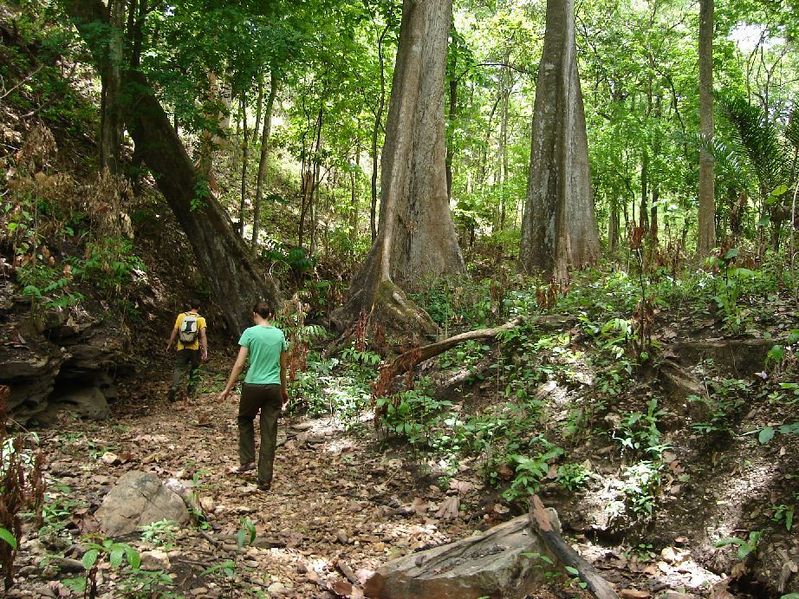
(334, 498)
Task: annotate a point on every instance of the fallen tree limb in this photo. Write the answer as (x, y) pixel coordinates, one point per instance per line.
(405, 362)
(542, 525)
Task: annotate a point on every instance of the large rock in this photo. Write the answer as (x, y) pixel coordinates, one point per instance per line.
(88, 402)
(492, 564)
(45, 356)
(136, 500)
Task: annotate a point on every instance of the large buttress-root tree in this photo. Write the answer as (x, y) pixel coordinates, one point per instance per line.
(222, 256)
(416, 237)
(559, 228)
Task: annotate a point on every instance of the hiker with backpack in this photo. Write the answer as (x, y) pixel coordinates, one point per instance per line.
(264, 390)
(192, 348)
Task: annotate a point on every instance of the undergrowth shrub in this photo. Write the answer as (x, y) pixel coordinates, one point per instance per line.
(21, 489)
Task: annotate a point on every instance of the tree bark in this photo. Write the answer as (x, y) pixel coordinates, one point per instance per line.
(263, 162)
(236, 282)
(376, 133)
(416, 237)
(111, 77)
(559, 227)
(707, 203)
(245, 154)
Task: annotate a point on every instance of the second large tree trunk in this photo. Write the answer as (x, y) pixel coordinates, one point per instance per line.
(222, 256)
(707, 203)
(416, 237)
(559, 227)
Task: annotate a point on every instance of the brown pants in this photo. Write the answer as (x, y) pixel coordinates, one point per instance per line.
(267, 400)
(186, 361)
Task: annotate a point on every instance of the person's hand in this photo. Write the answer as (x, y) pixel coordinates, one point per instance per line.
(224, 395)
(204, 355)
(284, 396)
(168, 345)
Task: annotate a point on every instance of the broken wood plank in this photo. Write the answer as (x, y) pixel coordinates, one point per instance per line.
(541, 524)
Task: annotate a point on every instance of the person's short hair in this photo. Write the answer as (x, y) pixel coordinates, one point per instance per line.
(262, 309)
(195, 303)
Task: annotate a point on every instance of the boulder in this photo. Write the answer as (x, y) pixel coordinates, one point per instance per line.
(88, 402)
(496, 563)
(138, 499)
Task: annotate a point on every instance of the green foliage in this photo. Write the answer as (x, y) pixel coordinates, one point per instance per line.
(226, 568)
(641, 487)
(246, 534)
(639, 433)
(530, 471)
(411, 415)
(746, 546)
(572, 476)
(160, 534)
(7, 537)
(783, 514)
(724, 400)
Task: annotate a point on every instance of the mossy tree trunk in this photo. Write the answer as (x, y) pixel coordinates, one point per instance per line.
(222, 256)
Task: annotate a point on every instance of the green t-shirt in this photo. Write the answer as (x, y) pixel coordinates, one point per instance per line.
(265, 344)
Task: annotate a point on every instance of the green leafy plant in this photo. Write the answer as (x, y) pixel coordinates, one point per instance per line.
(246, 534)
(227, 568)
(746, 546)
(160, 534)
(641, 486)
(101, 549)
(639, 433)
(530, 471)
(783, 514)
(572, 476)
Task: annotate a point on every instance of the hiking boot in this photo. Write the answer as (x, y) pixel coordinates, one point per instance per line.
(170, 396)
(245, 467)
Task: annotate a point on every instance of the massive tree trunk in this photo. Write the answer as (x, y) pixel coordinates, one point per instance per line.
(559, 227)
(707, 204)
(416, 237)
(222, 256)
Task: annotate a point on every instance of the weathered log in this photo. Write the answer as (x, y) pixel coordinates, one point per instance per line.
(541, 523)
(494, 564)
(411, 358)
(406, 361)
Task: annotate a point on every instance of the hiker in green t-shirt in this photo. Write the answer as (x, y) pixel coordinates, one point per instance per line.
(264, 390)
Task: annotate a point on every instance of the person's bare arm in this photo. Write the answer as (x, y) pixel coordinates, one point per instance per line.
(203, 345)
(238, 366)
(172, 338)
(284, 360)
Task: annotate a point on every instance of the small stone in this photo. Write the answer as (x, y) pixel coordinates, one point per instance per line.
(154, 560)
(301, 568)
(276, 588)
(634, 594)
(207, 503)
(341, 537)
(198, 591)
(676, 595)
(669, 555)
(110, 458)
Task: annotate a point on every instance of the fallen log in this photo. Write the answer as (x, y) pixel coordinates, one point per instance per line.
(408, 360)
(542, 525)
